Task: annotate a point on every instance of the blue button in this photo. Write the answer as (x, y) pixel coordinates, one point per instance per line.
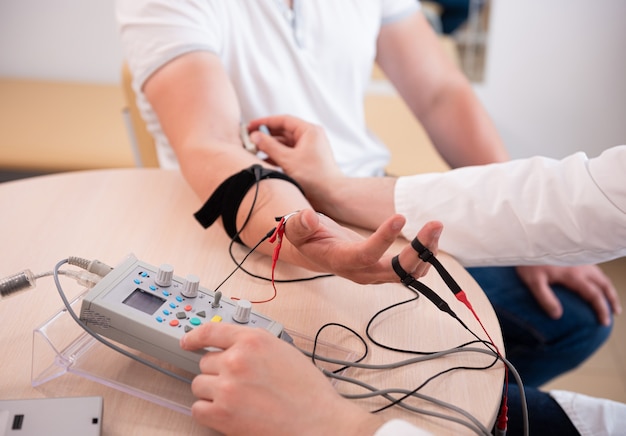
(144, 274)
(179, 298)
(166, 312)
(153, 288)
(158, 318)
(173, 306)
(137, 281)
(167, 294)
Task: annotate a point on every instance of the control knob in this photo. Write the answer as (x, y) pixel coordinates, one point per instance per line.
(164, 275)
(190, 288)
(242, 312)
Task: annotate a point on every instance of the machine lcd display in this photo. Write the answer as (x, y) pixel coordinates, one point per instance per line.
(144, 301)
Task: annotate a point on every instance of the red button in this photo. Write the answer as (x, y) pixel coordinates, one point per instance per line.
(188, 307)
(174, 322)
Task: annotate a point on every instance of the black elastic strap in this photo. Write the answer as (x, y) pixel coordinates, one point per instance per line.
(228, 196)
(405, 277)
(427, 256)
(412, 283)
(424, 253)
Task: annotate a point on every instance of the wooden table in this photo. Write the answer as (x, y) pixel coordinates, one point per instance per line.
(107, 214)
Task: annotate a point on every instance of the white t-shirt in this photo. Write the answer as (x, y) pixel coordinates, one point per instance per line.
(526, 211)
(313, 61)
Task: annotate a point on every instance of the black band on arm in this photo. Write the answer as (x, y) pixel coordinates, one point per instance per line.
(228, 196)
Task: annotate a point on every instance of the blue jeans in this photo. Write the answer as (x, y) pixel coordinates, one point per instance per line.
(454, 13)
(539, 347)
(545, 416)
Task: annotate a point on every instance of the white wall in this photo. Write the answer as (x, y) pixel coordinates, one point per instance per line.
(556, 75)
(555, 78)
(65, 40)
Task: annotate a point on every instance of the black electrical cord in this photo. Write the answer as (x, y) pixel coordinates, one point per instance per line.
(240, 263)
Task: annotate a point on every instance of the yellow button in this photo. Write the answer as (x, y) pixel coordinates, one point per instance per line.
(216, 318)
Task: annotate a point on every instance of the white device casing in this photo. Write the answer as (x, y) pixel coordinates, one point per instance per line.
(129, 307)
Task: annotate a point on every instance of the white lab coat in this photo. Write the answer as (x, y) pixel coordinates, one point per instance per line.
(523, 212)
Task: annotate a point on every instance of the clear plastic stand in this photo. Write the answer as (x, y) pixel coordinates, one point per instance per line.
(61, 347)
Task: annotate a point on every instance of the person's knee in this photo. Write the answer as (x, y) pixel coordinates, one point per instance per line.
(594, 335)
(540, 347)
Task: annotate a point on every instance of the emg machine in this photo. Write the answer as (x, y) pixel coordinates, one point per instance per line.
(149, 309)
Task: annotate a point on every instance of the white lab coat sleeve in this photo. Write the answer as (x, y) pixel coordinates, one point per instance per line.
(524, 212)
(397, 427)
(592, 416)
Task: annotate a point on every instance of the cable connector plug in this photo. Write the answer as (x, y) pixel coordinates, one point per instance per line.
(17, 282)
(84, 278)
(503, 419)
(92, 266)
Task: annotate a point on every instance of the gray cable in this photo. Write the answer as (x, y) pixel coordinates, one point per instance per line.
(99, 338)
(436, 355)
(476, 427)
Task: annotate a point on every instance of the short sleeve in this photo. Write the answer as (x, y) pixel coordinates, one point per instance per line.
(153, 32)
(394, 10)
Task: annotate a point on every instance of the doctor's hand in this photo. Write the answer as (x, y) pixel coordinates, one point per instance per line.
(260, 384)
(329, 247)
(588, 281)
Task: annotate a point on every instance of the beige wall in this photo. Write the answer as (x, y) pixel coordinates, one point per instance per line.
(554, 80)
(56, 126)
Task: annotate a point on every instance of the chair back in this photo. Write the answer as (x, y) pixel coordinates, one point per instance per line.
(142, 142)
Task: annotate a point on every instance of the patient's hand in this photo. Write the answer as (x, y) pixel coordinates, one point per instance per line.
(329, 247)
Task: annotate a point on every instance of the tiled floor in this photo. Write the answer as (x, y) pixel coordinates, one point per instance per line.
(604, 374)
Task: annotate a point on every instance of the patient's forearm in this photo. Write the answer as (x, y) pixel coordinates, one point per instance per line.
(363, 202)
